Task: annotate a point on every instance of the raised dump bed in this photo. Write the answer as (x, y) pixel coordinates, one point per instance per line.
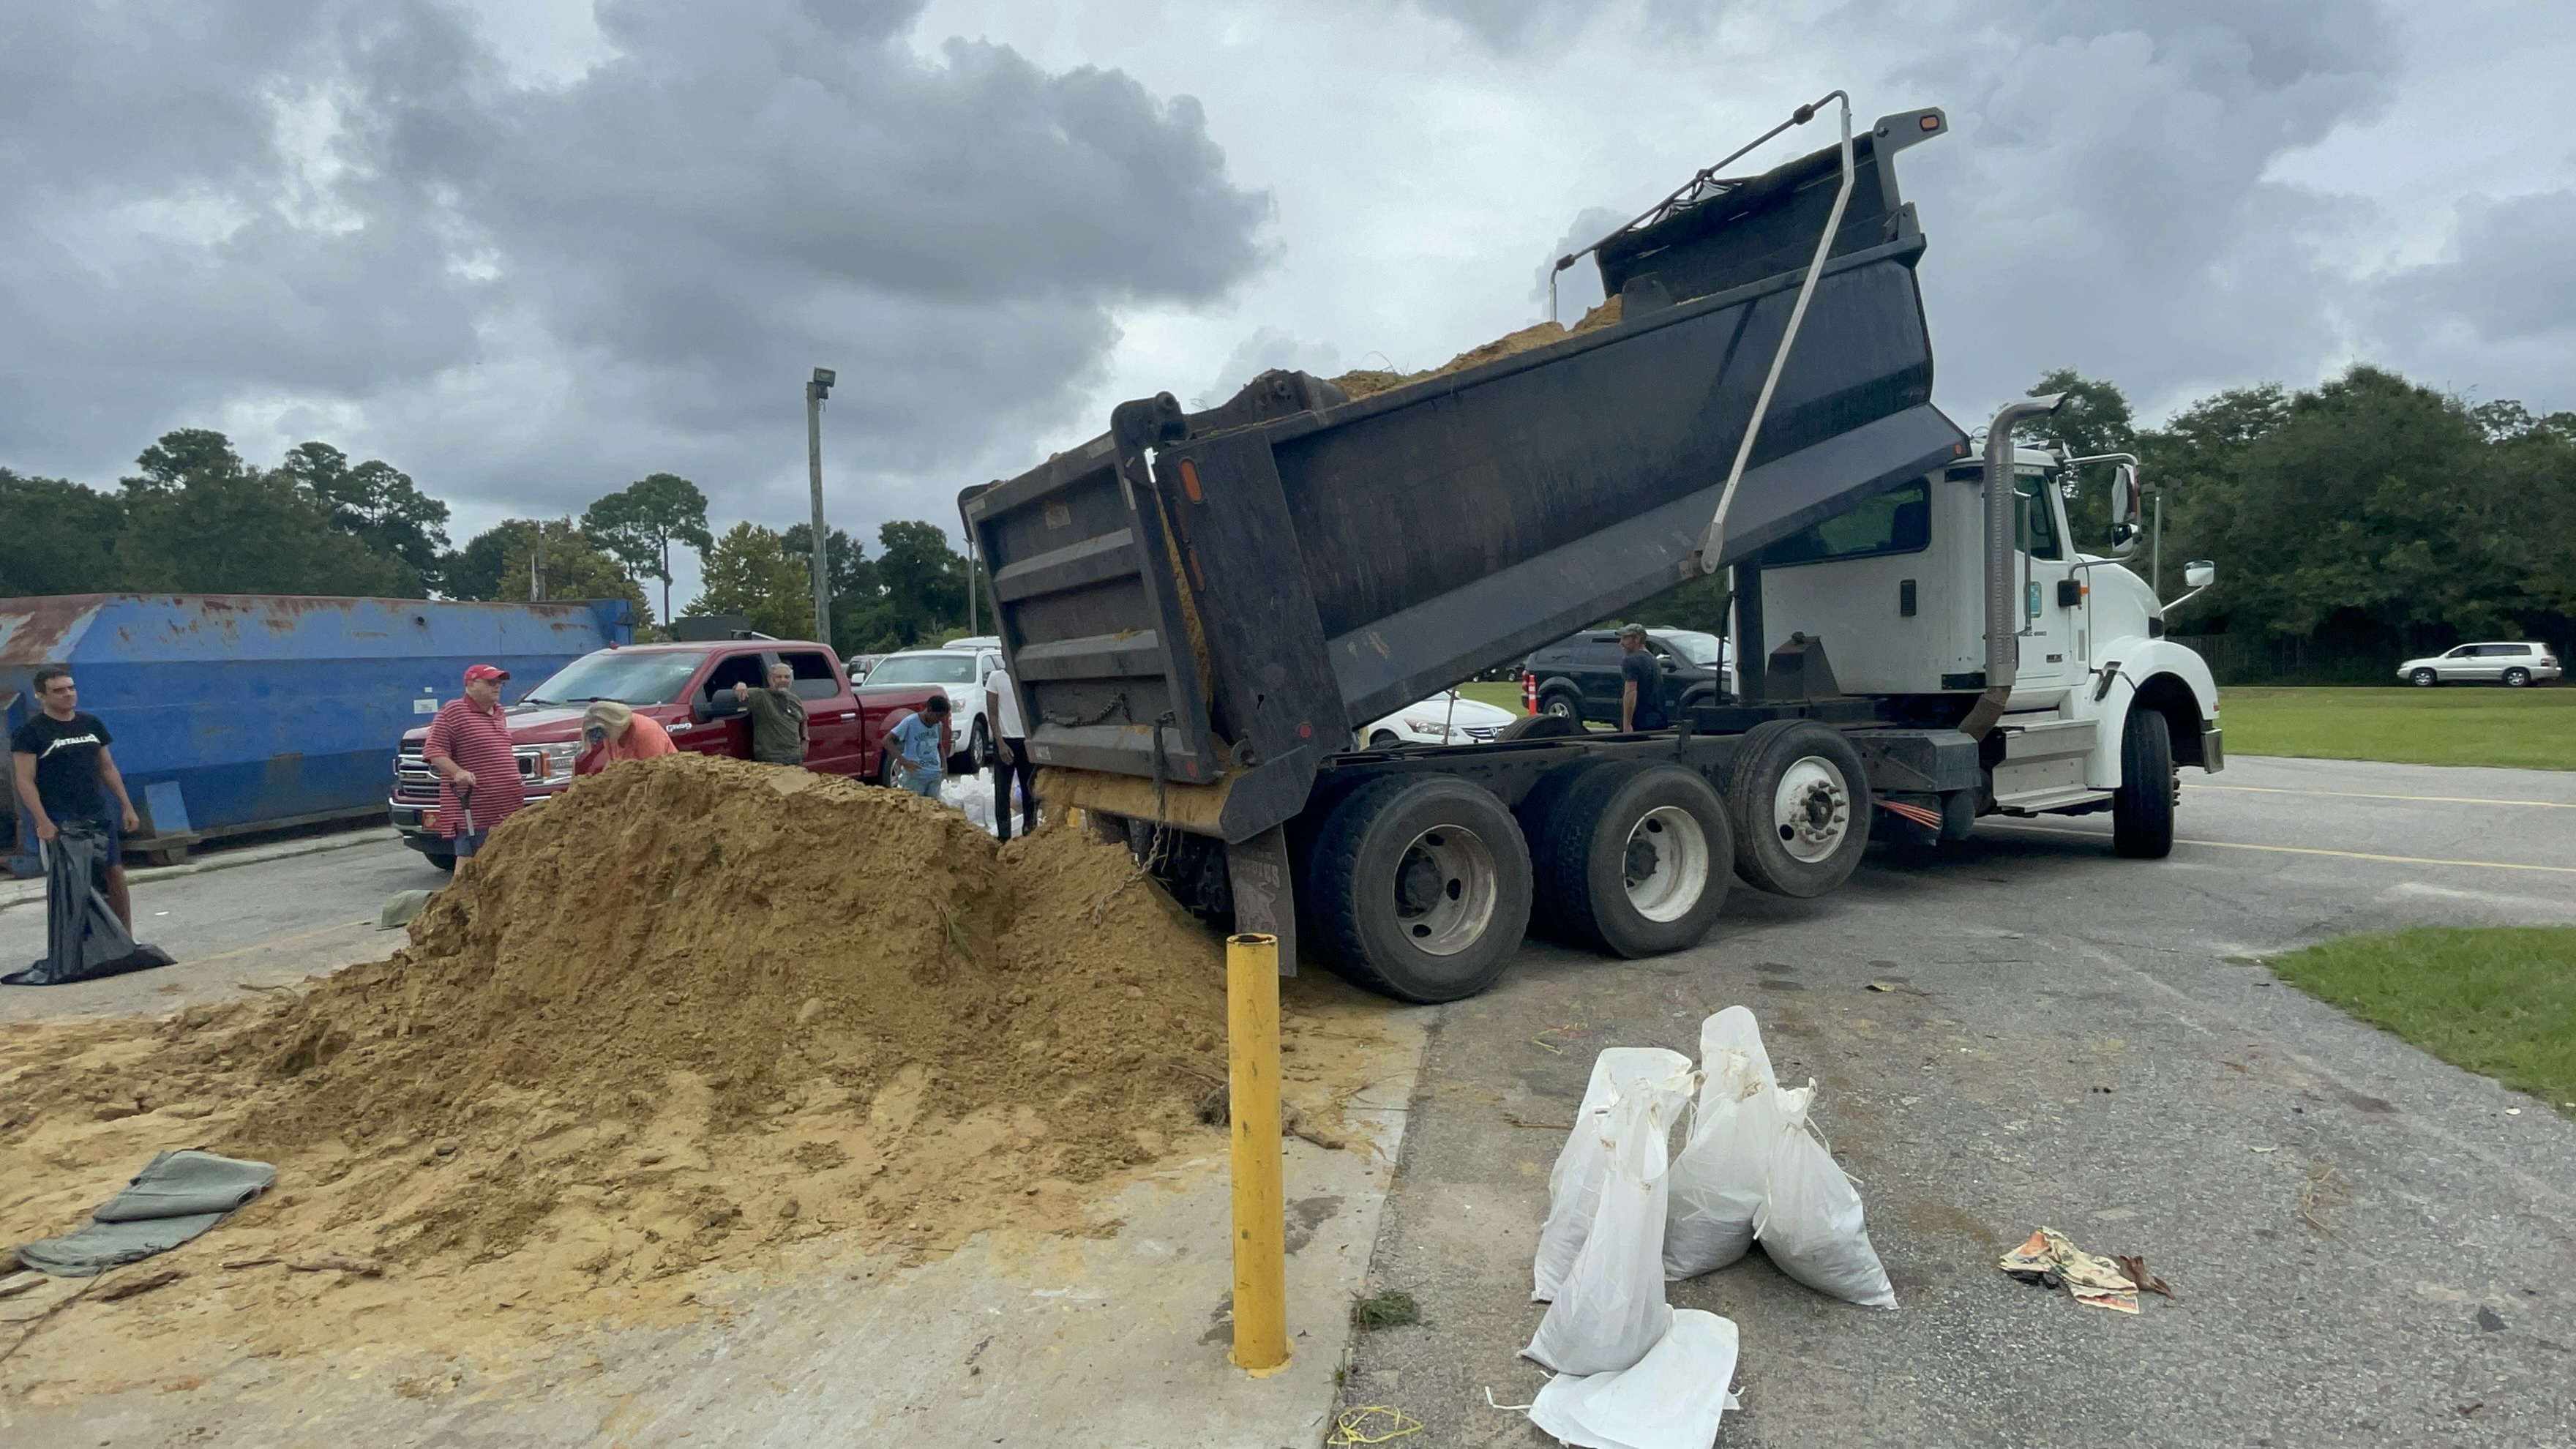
(1216, 599)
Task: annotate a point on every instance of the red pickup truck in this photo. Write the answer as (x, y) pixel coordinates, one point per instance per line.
(688, 690)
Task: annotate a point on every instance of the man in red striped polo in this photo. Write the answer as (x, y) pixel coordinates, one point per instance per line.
(469, 747)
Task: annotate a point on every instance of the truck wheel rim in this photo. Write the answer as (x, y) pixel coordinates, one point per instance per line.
(1445, 888)
(1811, 809)
(1667, 864)
(1558, 707)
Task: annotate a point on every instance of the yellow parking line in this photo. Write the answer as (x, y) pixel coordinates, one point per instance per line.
(2362, 795)
(2311, 850)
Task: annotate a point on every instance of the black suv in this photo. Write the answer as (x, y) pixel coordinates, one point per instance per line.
(1579, 677)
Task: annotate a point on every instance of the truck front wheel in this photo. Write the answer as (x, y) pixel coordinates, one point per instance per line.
(1633, 859)
(1800, 800)
(1420, 887)
(2142, 808)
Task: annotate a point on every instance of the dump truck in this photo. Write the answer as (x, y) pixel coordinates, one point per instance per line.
(1199, 607)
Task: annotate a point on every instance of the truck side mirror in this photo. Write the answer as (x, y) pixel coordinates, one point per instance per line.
(2124, 493)
(2200, 573)
(2125, 510)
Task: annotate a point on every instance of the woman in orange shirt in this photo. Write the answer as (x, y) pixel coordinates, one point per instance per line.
(613, 732)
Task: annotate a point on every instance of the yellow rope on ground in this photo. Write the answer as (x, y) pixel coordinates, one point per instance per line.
(1350, 1426)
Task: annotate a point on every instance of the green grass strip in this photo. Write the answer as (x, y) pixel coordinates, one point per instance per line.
(2496, 1000)
(2453, 725)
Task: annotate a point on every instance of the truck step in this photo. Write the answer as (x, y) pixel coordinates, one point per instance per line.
(2059, 798)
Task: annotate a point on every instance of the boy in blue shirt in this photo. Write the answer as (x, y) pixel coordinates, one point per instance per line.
(920, 743)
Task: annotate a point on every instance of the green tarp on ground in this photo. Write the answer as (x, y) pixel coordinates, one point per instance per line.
(176, 1197)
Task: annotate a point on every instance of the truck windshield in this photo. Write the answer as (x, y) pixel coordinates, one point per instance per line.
(1696, 647)
(628, 678)
(924, 669)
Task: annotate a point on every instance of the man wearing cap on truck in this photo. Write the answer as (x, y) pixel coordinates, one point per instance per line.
(1641, 683)
(478, 774)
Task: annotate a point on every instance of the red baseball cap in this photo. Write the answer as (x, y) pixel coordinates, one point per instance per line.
(475, 673)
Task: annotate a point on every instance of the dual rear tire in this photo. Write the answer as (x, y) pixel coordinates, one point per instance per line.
(1421, 886)
(1631, 859)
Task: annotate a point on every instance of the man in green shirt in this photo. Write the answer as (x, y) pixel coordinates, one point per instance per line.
(777, 718)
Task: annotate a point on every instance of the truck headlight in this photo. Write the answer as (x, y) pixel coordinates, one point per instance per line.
(557, 763)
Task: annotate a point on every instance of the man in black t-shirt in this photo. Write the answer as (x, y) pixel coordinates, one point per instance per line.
(1641, 682)
(65, 776)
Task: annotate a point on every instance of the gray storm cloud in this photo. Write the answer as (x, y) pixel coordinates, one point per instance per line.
(540, 292)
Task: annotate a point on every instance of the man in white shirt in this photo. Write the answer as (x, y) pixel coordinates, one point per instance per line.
(1011, 755)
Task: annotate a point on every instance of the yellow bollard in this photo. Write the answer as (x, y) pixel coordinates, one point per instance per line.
(1260, 1256)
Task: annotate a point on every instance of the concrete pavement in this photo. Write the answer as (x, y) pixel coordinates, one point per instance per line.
(2371, 1247)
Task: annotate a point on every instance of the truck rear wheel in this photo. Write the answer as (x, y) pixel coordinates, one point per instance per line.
(1420, 887)
(2142, 808)
(1633, 859)
(1800, 801)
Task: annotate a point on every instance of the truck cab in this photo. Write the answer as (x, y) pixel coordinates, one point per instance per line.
(688, 690)
(1895, 590)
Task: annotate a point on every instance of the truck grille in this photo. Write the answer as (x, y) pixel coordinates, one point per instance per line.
(415, 783)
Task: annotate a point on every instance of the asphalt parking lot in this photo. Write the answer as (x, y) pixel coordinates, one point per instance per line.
(2371, 1247)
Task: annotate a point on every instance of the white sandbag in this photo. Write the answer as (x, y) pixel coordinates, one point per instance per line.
(1574, 1184)
(971, 796)
(1810, 1224)
(1670, 1399)
(1610, 1309)
(1724, 1167)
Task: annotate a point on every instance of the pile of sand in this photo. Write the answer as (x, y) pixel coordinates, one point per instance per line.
(688, 1012)
(1368, 383)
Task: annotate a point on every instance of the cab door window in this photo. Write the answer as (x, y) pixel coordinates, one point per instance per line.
(735, 669)
(814, 678)
(2035, 517)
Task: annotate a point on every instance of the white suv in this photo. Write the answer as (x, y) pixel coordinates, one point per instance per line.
(2514, 665)
(960, 670)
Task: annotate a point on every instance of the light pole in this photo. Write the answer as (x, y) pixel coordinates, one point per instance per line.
(815, 391)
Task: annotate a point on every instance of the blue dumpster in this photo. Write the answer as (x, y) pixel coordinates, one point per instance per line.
(240, 712)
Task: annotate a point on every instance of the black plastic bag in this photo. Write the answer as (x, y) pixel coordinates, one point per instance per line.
(83, 938)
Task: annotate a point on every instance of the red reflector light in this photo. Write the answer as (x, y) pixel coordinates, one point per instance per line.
(1930, 123)
(1190, 480)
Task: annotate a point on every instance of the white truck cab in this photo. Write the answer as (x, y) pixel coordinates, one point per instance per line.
(2101, 706)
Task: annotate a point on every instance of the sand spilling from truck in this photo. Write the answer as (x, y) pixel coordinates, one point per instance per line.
(687, 1016)
(1368, 382)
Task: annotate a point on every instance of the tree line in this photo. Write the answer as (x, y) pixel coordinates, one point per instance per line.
(194, 517)
(2369, 517)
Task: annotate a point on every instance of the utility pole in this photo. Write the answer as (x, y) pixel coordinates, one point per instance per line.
(815, 391)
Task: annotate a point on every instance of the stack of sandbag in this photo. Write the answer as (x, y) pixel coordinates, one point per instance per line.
(1625, 1215)
(1751, 1169)
(1631, 1373)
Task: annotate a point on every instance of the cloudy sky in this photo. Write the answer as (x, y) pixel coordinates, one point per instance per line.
(529, 250)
